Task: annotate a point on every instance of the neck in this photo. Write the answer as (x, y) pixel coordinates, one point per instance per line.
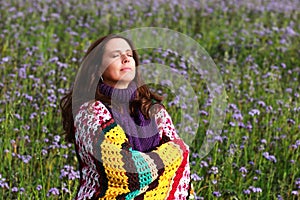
(118, 85)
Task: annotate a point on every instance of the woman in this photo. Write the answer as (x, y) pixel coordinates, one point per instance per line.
(125, 141)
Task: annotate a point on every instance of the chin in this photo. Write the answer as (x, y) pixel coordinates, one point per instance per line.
(126, 80)
(128, 77)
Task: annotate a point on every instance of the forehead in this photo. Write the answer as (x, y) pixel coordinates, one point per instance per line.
(117, 44)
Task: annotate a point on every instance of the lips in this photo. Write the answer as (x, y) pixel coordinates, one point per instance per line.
(126, 69)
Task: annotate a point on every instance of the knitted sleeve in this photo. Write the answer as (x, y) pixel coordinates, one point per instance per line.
(167, 132)
(87, 126)
(165, 125)
(125, 173)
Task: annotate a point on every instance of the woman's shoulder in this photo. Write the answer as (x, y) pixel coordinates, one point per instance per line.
(159, 110)
(94, 108)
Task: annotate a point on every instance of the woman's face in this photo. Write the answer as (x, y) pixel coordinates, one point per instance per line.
(118, 63)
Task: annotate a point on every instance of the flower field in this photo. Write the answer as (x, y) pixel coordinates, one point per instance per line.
(254, 44)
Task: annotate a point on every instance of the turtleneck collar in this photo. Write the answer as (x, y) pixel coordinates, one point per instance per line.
(142, 133)
(119, 95)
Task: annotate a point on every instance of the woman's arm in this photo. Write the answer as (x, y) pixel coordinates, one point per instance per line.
(129, 172)
(168, 132)
(165, 124)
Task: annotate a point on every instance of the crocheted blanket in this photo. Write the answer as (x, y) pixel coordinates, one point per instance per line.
(111, 169)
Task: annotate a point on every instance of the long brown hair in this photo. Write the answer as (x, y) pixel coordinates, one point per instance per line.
(87, 81)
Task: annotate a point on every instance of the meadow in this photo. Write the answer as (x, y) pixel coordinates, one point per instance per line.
(254, 44)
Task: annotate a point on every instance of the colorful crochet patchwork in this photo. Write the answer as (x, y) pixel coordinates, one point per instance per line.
(111, 169)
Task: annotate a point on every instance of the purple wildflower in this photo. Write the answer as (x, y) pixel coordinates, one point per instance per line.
(14, 189)
(247, 191)
(203, 164)
(270, 157)
(243, 170)
(195, 155)
(43, 113)
(255, 189)
(195, 177)
(249, 126)
(65, 189)
(254, 112)
(33, 115)
(3, 183)
(263, 141)
(68, 171)
(213, 170)
(283, 65)
(28, 97)
(26, 158)
(216, 193)
(237, 116)
(241, 125)
(39, 187)
(56, 138)
(279, 197)
(44, 152)
(292, 161)
(261, 103)
(245, 137)
(251, 162)
(269, 109)
(232, 124)
(266, 155)
(291, 122)
(22, 73)
(297, 183)
(53, 191)
(6, 59)
(22, 190)
(203, 112)
(273, 158)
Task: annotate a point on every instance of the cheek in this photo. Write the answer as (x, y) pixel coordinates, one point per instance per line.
(109, 72)
(110, 66)
(133, 61)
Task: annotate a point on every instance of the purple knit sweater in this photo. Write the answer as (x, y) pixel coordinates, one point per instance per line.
(142, 133)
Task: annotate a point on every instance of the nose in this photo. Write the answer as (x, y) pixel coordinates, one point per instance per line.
(125, 59)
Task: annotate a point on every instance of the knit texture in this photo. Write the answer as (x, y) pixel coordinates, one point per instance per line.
(111, 169)
(142, 133)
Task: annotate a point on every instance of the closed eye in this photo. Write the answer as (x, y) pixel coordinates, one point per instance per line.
(115, 55)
